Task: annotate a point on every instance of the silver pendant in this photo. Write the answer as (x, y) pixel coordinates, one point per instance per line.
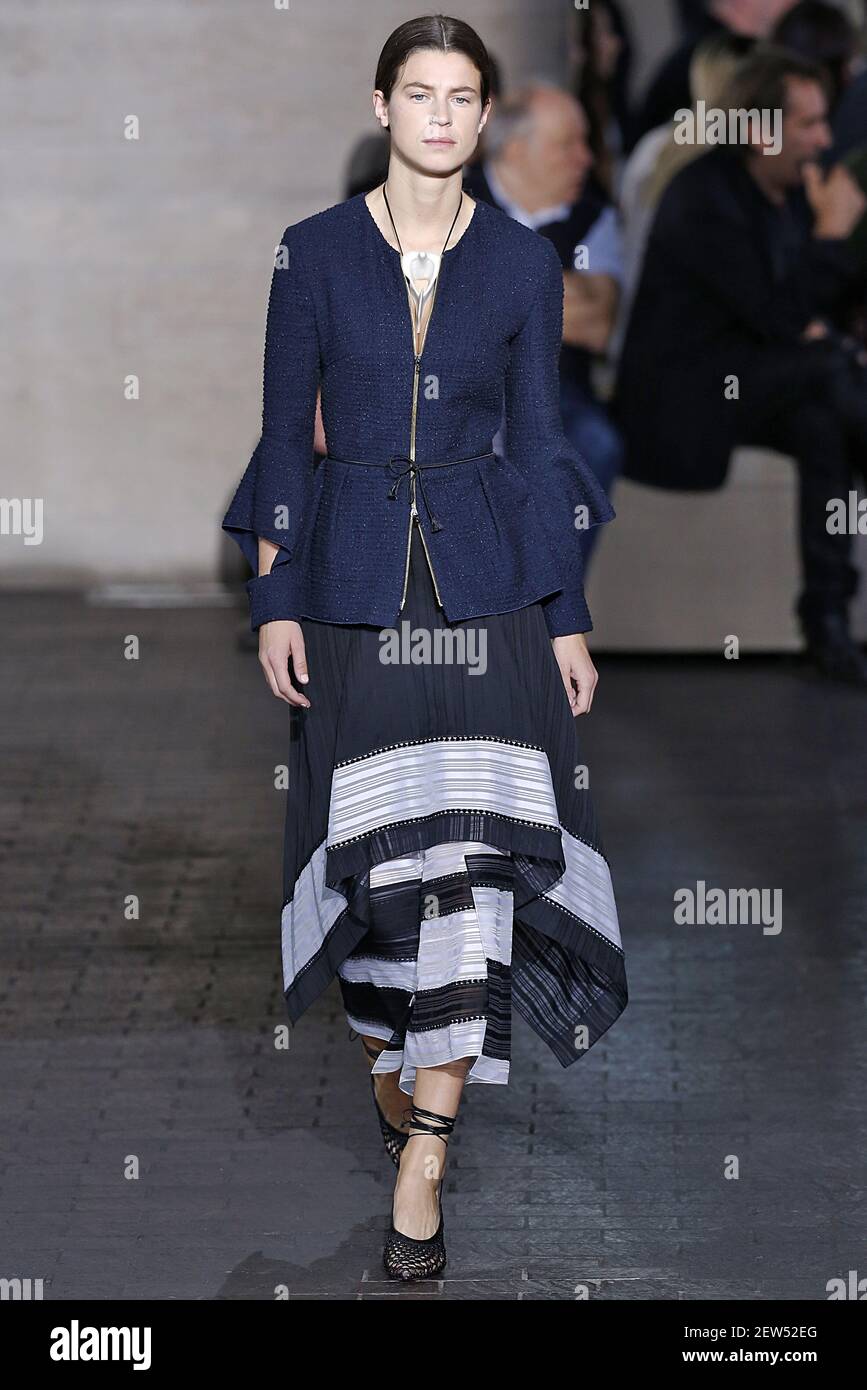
(420, 265)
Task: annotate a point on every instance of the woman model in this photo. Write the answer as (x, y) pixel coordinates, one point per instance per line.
(420, 606)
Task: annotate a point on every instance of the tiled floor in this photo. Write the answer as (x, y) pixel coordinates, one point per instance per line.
(158, 1144)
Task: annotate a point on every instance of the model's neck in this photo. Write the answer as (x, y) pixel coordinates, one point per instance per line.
(423, 208)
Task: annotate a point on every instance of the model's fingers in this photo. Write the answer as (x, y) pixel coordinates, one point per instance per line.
(287, 689)
(586, 682)
(582, 702)
(269, 675)
(299, 657)
(566, 678)
(277, 671)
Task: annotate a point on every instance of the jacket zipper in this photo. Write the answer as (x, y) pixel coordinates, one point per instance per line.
(413, 513)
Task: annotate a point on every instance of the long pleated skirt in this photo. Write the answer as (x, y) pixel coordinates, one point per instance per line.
(442, 856)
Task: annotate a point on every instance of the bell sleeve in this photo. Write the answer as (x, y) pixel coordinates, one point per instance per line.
(269, 499)
(566, 492)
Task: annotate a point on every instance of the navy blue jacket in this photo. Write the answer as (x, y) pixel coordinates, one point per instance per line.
(500, 532)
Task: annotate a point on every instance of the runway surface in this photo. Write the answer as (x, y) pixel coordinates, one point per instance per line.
(156, 1143)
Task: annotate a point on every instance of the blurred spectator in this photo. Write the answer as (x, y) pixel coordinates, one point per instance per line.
(692, 16)
(658, 157)
(822, 32)
(850, 120)
(733, 337)
(537, 168)
(600, 55)
(669, 90)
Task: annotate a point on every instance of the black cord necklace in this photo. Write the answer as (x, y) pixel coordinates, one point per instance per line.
(421, 253)
(425, 266)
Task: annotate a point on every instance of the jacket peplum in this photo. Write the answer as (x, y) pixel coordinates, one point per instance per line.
(501, 531)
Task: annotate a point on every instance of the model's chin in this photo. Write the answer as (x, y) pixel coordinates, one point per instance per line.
(436, 159)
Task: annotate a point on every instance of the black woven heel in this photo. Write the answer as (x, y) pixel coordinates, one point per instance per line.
(393, 1139)
(403, 1256)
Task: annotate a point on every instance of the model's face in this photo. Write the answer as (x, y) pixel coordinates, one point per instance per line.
(435, 111)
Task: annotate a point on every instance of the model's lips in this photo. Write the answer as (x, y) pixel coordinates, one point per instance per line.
(440, 140)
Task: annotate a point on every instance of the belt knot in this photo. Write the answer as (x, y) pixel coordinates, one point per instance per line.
(411, 470)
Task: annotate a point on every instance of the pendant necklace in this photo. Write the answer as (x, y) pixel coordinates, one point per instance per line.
(421, 266)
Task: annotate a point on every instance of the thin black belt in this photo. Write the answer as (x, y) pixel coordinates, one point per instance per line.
(412, 469)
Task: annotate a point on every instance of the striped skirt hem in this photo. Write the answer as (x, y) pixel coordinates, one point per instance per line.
(442, 859)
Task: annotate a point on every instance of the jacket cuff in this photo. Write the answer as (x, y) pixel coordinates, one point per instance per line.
(269, 599)
(566, 612)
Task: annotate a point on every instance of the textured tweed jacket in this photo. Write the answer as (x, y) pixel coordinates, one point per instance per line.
(501, 531)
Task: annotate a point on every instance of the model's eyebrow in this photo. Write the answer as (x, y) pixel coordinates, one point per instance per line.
(428, 88)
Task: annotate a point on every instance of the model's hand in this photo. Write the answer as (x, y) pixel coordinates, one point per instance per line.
(578, 672)
(280, 642)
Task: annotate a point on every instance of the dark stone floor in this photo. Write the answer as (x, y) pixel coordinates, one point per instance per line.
(149, 1042)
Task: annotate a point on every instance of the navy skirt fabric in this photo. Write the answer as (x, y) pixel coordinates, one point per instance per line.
(442, 856)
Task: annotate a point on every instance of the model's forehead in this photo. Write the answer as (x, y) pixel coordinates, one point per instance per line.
(430, 67)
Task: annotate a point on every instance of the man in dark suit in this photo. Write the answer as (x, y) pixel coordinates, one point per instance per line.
(734, 333)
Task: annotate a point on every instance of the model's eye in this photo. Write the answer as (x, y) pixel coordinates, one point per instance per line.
(413, 95)
(464, 99)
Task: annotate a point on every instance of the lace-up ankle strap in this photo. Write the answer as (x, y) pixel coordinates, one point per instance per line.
(421, 1120)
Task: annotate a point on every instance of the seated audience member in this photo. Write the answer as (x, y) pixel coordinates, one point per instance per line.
(669, 88)
(734, 333)
(536, 169)
(822, 32)
(658, 157)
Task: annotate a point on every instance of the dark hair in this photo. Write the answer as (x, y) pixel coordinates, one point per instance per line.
(824, 33)
(432, 31)
(760, 80)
